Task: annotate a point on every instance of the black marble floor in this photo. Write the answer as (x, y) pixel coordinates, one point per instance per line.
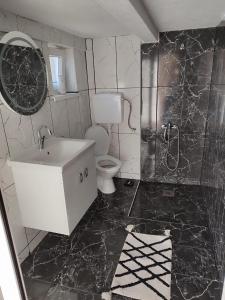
(80, 267)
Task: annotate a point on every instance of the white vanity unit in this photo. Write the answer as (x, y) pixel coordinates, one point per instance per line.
(56, 185)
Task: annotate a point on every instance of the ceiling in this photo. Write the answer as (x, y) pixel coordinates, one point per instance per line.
(185, 14)
(97, 18)
(83, 17)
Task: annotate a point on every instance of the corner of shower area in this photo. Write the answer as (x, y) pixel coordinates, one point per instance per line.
(183, 135)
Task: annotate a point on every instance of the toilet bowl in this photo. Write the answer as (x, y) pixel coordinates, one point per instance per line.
(107, 166)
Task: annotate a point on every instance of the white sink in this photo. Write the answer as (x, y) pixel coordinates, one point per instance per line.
(59, 152)
(55, 186)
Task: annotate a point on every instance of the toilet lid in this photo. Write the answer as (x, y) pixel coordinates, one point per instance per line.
(101, 137)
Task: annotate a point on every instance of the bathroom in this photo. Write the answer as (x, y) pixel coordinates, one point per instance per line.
(120, 142)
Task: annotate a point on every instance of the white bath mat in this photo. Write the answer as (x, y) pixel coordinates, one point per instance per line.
(144, 268)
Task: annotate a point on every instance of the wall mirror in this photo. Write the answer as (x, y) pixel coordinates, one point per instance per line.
(23, 79)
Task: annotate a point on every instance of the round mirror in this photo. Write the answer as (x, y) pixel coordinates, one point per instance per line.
(23, 79)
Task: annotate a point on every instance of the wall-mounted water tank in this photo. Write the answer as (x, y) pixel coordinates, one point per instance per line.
(108, 108)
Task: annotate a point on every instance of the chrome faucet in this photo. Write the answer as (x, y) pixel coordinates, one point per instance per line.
(41, 138)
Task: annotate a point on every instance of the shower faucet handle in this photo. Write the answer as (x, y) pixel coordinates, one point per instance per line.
(168, 125)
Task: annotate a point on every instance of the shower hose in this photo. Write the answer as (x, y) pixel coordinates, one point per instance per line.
(167, 139)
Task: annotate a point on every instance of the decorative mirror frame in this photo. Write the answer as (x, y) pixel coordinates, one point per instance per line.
(16, 38)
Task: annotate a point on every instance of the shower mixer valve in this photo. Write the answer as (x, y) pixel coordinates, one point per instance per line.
(168, 125)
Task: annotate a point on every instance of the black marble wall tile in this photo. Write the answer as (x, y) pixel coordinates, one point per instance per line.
(171, 58)
(213, 167)
(216, 111)
(162, 173)
(191, 152)
(194, 109)
(185, 63)
(213, 163)
(148, 144)
(148, 132)
(199, 46)
(149, 65)
(219, 57)
(169, 105)
(186, 57)
(207, 164)
(149, 108)
(190, 165)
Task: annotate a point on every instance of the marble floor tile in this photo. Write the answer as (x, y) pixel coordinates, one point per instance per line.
(196, 262)
(51, 254)
(87, 273)
(195, 288)
(118, 297)
(182, 287)
(47, 259)
(36, 289)
(186, 235)
(115, 207)
(169, 203)
(63, 293)
(104, 241)
(82, 266)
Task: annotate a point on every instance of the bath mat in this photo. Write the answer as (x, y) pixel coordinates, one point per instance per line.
(144, 268)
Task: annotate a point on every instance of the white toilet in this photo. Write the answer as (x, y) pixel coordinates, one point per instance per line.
(107, 165)
(107, 108)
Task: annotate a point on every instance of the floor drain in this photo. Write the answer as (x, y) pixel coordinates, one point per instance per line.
(168, 193)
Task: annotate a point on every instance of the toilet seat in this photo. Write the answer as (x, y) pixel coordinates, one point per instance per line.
(101, 137)
(107, 166)
(107, 163)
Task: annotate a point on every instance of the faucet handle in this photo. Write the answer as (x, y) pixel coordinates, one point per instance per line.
(40, 130)
(49, 131)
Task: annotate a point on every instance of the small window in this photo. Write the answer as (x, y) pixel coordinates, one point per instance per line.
(58, 72)
(62, 67)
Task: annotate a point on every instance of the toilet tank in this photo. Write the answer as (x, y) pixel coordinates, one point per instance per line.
(107, 108)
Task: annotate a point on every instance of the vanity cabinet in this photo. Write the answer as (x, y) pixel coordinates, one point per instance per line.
(56, 188)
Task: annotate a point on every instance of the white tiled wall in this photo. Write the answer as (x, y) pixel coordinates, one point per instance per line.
(113, 65)
(104, 50)
(128, 61)
(1, 296)
(68, 118)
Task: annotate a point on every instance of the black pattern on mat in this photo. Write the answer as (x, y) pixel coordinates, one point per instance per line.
(146, 268)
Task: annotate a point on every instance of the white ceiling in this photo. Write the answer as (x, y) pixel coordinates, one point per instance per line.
(83, 17)
(97, 18)
(185, 14)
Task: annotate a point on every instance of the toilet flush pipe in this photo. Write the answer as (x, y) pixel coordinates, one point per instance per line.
(109, 129)
(130, 112)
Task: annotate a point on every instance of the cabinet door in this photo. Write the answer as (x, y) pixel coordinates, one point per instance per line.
(80, 187)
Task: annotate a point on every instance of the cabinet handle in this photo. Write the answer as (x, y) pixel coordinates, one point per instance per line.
(81, 178)
(86, 172)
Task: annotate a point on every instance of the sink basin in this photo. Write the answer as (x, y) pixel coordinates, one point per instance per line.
(59, 152)
(55, 186)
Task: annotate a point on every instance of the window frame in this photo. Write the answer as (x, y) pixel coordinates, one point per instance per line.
(58, 52)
